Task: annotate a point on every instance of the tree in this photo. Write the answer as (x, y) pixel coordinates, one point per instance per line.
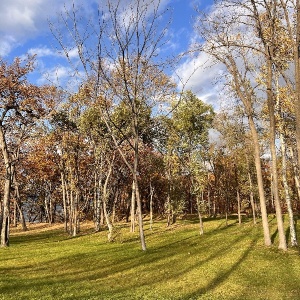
(22, 104)
(266, 24)
(184, 146)
(227, 41)
(119, 53)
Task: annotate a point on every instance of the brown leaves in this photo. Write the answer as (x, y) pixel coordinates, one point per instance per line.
(19, 97)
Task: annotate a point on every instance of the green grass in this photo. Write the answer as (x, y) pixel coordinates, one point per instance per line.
(225, 263)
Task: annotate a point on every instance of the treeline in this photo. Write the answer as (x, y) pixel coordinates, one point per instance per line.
(127, 144)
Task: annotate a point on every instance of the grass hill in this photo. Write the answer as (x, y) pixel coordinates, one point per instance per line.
(227, 262)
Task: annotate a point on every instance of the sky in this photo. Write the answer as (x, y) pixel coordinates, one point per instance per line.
(24, 28)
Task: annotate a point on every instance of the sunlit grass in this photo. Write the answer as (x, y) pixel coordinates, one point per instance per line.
(225, 263)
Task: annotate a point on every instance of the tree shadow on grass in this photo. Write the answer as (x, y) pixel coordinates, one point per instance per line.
(74, 268)
(222, 276)
(164, 260)
(274, 235)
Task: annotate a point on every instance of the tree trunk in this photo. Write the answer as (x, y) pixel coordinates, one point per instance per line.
(15, 222)
(199, 214)
(75, 214)
(270, 101)
(297, 78)
(64, 195)
(5, 213)
(135, 174)
(104, 203)
(17, 203)
(208, 201)
(262, 199)
(132, 208)
(46, 203)
(252, 198)
(22, 218)
(97, 203)
(6, 192)
(287, 193)
(239, 206)
(296, 170)
(151, 205)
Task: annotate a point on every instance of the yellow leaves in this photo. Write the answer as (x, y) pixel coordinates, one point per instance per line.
(275, 36)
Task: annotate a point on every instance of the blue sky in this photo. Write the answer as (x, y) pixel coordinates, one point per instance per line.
(24, 29)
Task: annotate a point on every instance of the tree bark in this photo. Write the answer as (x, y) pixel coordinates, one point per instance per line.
(201, 231)
(9, 171)
(64, 199)
(252, 198)
(132, 208)
(272, 137)
(151, 205)
(135, 179)
(259, 176)
(296, 170)
(297, 78)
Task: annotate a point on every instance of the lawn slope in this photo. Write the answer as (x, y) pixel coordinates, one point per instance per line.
(227, 262)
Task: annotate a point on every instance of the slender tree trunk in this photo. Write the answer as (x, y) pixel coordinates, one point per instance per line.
(104, 203)
(97, 203)
(262, 199)
(140, 216)
(51, 217)
(15, 222)
(47, 203)
(18, 205)
(239, 206)
(107, 215)
(168, 200)
(6, 192)
(252, 198)
(5, 213)
(75, 214)
(132, 208)
(226, 212)
(297, 78)
(272, 137)
(63, 187)
(208, 201)
(201, 231)
(151, 205)
(22, 218)
(71, 212)
(114, 206)
(296, 170)
(287, 193)
(247, 101)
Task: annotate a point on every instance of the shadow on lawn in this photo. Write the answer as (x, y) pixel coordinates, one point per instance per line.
(222, 276)
(125, 268)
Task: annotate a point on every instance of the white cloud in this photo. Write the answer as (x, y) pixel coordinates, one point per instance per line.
(63, 76)
(22, 20)
(56, 75)
(200, 75)
(42, 52)
(7, 42)
(73, 53)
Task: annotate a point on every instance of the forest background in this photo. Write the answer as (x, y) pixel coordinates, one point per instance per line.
(125, 136)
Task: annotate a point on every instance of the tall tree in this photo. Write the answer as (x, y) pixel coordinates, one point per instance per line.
(119, 53)
(21, 104)
(227, 41)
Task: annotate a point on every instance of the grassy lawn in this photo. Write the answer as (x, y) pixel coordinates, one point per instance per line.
(225, 263)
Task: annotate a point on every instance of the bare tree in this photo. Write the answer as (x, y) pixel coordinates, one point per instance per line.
(227, 41)
(119, 53)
